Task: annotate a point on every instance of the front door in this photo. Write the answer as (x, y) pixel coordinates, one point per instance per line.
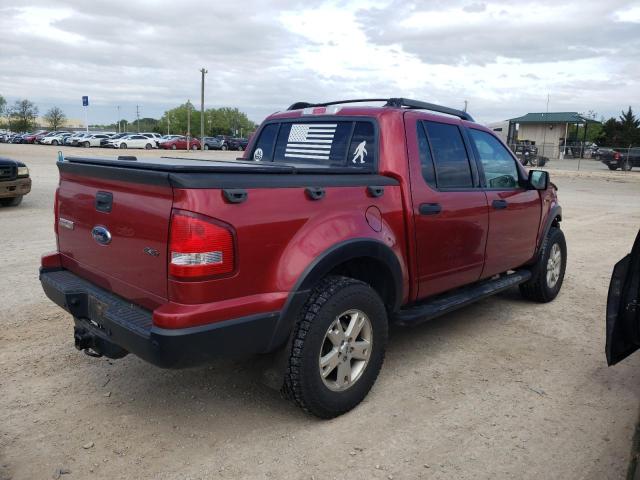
(623, 307)
(514, 211)
(450, 210)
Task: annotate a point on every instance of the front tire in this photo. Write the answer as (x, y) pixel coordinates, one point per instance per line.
(54, 143)
(123, 145)
(338, 347)
(11, 202)
(148, 146)
(548, 272)
(206, 147)
(173, 147)
(612, 167)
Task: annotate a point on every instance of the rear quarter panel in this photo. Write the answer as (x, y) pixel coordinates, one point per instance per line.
(279, 233)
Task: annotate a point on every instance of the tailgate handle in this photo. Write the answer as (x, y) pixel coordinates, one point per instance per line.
(375, 191)
(315, 193)
(235, 195)
(104, 201)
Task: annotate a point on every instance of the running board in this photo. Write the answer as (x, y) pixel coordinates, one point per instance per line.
(458, 298)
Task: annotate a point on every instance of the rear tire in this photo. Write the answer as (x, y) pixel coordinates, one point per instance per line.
(123, 145)
(206, 147)
(54, 143)
(87, 145)
(223, 147)
(194, 147)
(626, 166)
(11, 202)
(173, 147)
(548, 272)
(148, 146)
(612, 167)
(331, 369)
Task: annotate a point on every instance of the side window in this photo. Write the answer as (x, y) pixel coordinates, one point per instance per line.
(264, 145)
(426, 161)
(450, 155)
(499, 167)
(361, 150)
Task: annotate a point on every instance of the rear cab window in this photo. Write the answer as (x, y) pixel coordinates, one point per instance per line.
(326, 142)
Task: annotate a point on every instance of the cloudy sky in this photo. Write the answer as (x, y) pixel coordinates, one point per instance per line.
(262, 56)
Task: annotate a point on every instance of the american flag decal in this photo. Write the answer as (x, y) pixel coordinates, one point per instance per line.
(310, 140)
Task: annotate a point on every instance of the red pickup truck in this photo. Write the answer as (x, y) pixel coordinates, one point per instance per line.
(339, 220)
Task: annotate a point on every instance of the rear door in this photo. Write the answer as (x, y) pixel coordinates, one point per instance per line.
(449, 208)
(623, 307)
(514, 211)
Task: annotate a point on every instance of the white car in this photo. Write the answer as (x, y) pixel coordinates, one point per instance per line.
(92, 140)
(155, 137)
(57, 139)
(134, 141)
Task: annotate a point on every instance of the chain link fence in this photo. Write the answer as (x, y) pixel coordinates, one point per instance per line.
(578, 156)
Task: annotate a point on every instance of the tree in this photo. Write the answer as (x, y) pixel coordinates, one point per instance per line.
(3, 104)
(629, 128)
(217, 121)
(621, 132)
(55, 118)
(23, 114)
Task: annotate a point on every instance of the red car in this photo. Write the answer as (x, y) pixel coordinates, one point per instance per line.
(34, 137)
(180, 143)
(340, 221)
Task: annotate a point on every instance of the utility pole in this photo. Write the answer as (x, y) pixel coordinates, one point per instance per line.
(466, 103)
(118, 118)
(203, 71)
(138, 116)
(188, 123)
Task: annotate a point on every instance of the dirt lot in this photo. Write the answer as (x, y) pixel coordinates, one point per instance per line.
(501, 389)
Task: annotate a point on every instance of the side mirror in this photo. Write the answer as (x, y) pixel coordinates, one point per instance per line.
(538, 180)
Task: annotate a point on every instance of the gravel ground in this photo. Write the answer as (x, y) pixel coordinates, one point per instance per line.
(501, 389)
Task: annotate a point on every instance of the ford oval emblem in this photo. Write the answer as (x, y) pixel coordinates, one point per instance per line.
(101, 235)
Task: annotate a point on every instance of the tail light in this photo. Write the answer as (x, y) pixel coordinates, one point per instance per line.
(199, 246)
(616, 156)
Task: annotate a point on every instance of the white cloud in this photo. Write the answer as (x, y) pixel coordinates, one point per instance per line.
(504, 59)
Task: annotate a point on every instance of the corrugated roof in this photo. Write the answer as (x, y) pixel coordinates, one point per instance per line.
(553, 117)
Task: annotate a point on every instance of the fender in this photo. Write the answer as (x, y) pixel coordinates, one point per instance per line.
(554, 212)
(322, 265)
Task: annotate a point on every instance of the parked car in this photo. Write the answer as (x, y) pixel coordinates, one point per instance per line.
(153, 136)
(56, 139)
(32, 137)
(623, 158)
(623, 307)
(93, 140)
(165, 138)
(77, 139)
(212, 143)
(346, 221)
(16, 138)
(237, 143)
(108, 142)
(133, 141)
(14, 182)
(180, 143)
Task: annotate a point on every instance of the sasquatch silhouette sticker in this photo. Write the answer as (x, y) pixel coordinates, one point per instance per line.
(360, 152)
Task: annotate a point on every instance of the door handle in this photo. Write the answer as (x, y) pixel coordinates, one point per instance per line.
(430, 208)
(499, 204)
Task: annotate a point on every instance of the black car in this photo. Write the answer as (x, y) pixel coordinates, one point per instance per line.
(237, 143)
(623, 158)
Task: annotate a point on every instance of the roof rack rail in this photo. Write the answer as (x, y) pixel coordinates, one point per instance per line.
(392, 102)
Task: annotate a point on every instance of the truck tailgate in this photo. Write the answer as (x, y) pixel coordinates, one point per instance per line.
(117, 231)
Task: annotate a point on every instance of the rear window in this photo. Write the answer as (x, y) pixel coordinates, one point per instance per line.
(326, 143)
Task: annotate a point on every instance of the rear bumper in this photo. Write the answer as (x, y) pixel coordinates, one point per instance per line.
(14, 188)
(114, 327)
